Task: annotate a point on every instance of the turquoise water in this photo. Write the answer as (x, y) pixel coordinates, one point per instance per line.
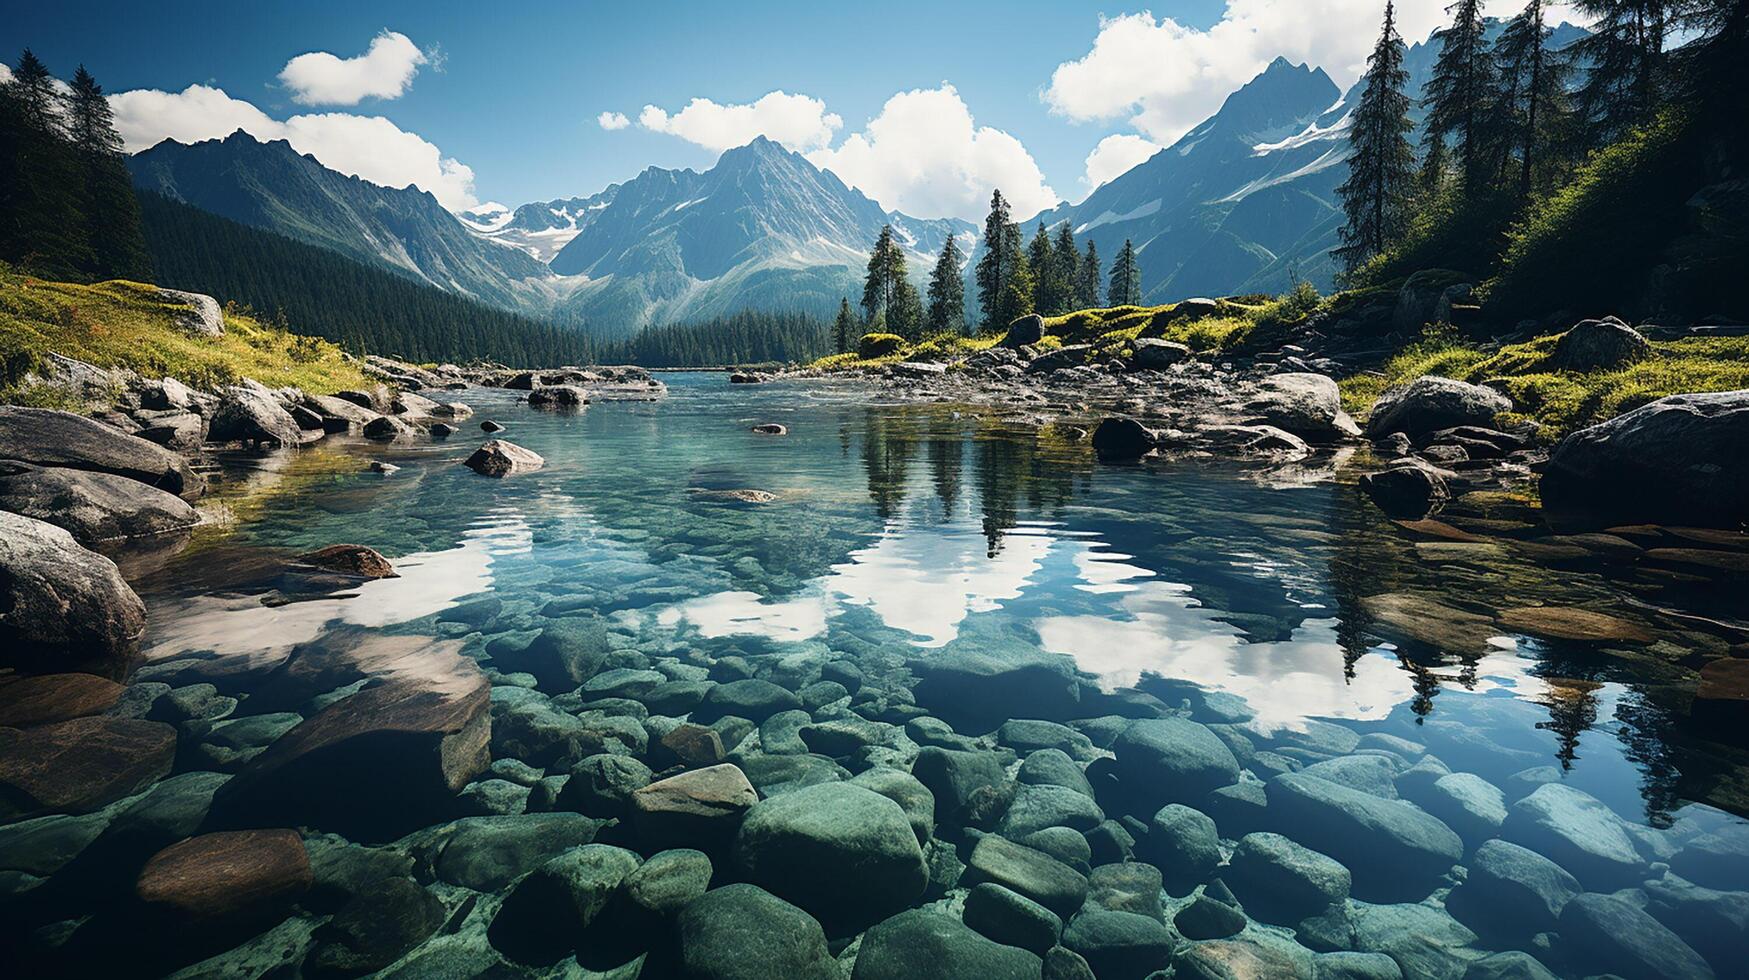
(903, 532)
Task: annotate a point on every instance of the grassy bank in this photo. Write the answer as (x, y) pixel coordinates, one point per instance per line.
(126, 324)
(1560, 401)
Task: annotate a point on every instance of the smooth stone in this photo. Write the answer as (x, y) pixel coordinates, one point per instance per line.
(543, 916)
(1715, 923)
(1206, 918)
(1577, 832)
(1283, 882)
(1053, 767)
(253, 416)
(922, 944)
(1172, 760)
(1573, 624)
(668, 881)
(487, 853)
(1183, 843)
(1605, 934)
(843, 737)
(781, 733)
(1719, 859)
(1468, 804)
(93, 507)
(351, 559)
(1394, 849)
(63, 608)
(500, 458)
(1512, 965)
(1012, 919)
(970, 788)
(50, 437)
(844, 853)
(1032, 873)
(1237, 959)
(1511, 891)
(1028, 735)
(753, 699)
(978, 689)
(1037, 807)
(1367, 773)
(81, 764)
(26, 701)
(1129, 887)
(906, 790)
(694, 745)
(1350, 965)
(1429, 404)
(220, 879)
(1119, 944)
(1425, 941)
(742, 932)
(376, 927)
(1068, 846)
(700, 808)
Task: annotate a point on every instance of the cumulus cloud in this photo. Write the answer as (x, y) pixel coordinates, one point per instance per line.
(613, 120)
(797, 121)
(1114, 155)
(1166, 77)
(383, 72)
(925, 155)
(369, 147)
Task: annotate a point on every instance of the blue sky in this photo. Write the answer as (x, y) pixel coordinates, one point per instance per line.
(502, 101)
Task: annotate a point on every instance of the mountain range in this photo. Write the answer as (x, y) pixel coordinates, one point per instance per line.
(1243, 203)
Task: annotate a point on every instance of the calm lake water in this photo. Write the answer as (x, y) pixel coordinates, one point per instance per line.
(931, 530)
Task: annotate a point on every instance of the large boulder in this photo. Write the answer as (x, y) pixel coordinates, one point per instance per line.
(1408, 491)
(238, 877)
(1511, 892)
(1608, 934)
(1032, 873)
(543, 915)
(372, 765)
(1281, 881)
(1679, 460)
(742, 932)
(1172, 760)
(95, 507)
(1427, 405)
(200, 314)
(1307, 405)
(699, 808)
(981, 688)
(1393, 849)
(81, 764)
(844, 853)
(1122, 440)
(1152, 354)
(1598, 345)
(1578, 832)
(499, 458)
(1120, 944)
(48, 437)
(26, 701)
(62, 607)
(488, 853)
(253, 416)
(1023, 332)
(924, 944)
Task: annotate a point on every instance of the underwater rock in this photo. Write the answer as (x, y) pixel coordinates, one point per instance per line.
(1119, 944)
(1011, 918)
(499, 458)
(1511, 892)
(1173, 760)
(228, 879)
(923, 944)
(1577, 832)
(1283, 882)
(701, 808)
(1032, 873)
(352, 559)
(1606, 934)
(742, 932)
(1392, 848)
(81, 764)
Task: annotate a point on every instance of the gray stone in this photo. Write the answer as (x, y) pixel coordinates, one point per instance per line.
(1349, 965)
(1429, 404)
(742, 932)
(1598, 345)
(1511, 891)
(1514, 965)
(49, 437)
(1011, 918)
(1152, 354)
(1037, 807)
(1120, 440)
(1172, 760)
(253, 416)
(1051, 767)
(487, 853)
(500, 458)
(1183, 843)
(93, 507)
(1068, 846)
(602, 785)
(923, 944)
(904, 789)
(668, 881)
(1032, 873)
(1605, 934)
(1283, 882)
(1206, 918)
(1468, 804)
(845, 854)
(1368, 773)
(1719, 859)
(543, 915)
(1307, 405)
(970, 788)
(1425, 941)
(1392, 848)
(753, 699)
(1128, 887)
(1119, 944)
(63, 608)
(1577, 832)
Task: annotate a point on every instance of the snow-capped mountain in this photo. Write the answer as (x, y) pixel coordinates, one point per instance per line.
(541, 229)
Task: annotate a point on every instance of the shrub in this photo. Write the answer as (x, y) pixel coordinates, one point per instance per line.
(879, 345)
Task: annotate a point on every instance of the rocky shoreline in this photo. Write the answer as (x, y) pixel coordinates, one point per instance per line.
(533, 793)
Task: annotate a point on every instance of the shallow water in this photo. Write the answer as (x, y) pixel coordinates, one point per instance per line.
(924, 531)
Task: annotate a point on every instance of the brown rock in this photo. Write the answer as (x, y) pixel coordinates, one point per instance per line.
(82, 764)
(373, 765)
(352, 559)
(55, 697)
(701, 808)
(235, 876)
(499, 458)
(1425, 620)
(1573, 623)
(1705, 560)
(695, 745)
(1722, 699)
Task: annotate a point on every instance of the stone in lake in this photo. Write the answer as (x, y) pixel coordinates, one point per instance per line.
(1427, 405)
(1011, 918)
(742, 932)
(26, 701)
(1409, 491)
(1120, 944)
(699, 808)
(1238, 959)
(769, 429)
(386, 428)
(49, 437)
(978, 689)
(1679, 460)
(499, 458)
(1183, 843)
(753, 699)
(1511, 892)
(844, 853)
(1152, 354)
(93, 507)
(1392, 848)
(1172, 760)
(1032, 873)
(253, 416)
(1283, 882)
(244, 878)
(81, 764)
(1121, 440)
(376, 763)
(490, 426)
(376, 927)
(1578, 832)
(923, 944)
(558, 396)
(1573, 623)
(542, 917)
(488, 853)
(1207, 918)
(971, 788)
(668, 882)
(351, 559)
(1719, 859)
(1307, 405)
(906, 790)
(1607, 934)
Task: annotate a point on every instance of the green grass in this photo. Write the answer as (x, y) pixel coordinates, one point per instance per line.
(125, 324)
(1559, 401)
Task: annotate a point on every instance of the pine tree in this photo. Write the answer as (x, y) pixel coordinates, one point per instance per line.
(1126, 278)
(112, 215)
(1066, 260)
(1534, 79)
(906, 316)
(1000, 265)
(43, 224)
(1381, 165)
(1042, 260)
(947, 292)
(1624, 53)
(1087, 291)
(882, 289)
(1460, 93)
(844, 328)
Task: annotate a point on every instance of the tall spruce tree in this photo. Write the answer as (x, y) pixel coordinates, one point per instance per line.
(112, 214)
(947, 291)
(1126, 278)
(1460, 96)
(1087, 278)
(1534, 81)
(1067, 259)
(881, 290)
(1625, 63)
(844, 328)
(999, 268)
(1042, 260)
(1381, 165)
(42, 225)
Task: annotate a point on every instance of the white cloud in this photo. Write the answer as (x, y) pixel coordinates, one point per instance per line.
(383, 72)
(925, 155)
(1166, 77)
(1114, 155)
(613, 120)
(797, 121)
(370, 147)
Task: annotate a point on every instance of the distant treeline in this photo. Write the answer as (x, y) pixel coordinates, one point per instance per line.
(748, 337)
